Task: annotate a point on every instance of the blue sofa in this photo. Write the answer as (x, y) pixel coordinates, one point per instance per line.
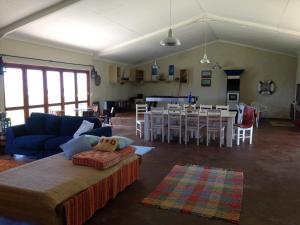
(42, 134)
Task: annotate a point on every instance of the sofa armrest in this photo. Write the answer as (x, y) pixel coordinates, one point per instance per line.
(15, 131)
(102, 131)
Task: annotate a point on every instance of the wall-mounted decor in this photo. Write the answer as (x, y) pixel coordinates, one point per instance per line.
(183, 76)
(266, 87)
(206, 73)
(205, 82)
(171, 72)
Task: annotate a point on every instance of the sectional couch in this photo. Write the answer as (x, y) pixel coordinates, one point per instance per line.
(42, 134)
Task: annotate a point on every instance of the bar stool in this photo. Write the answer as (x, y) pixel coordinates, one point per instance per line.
(140, 109)
(214, 126)
(157, 122)
(174, 122)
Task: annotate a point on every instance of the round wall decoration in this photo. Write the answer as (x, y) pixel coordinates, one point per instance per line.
(266, 87)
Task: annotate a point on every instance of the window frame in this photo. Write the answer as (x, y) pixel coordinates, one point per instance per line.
(44, 69)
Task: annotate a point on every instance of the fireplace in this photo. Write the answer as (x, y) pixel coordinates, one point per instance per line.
(233, 87)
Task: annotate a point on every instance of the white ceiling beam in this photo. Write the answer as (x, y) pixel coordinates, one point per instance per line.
(253, 25)
(35, 16)
(157, 32)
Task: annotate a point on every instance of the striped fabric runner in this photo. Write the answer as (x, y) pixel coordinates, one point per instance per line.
(82, 207)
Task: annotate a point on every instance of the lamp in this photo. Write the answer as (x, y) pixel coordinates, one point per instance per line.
(155, 66)
(95, 76)
(205, 58)
(170, 40)
(2, 67)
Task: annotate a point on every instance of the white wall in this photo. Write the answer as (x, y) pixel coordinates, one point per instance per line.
(258, 64)
(106, 91)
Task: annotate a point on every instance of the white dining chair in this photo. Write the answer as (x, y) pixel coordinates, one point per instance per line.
(222, 107)
(214, 126)
(174, 123)
(245, 130)
(193, 126)
(140, 109)
(173, 106)
(205, 107)
(157, 123)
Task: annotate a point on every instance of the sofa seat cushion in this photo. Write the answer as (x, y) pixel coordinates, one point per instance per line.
(54, 143)
(35, 142)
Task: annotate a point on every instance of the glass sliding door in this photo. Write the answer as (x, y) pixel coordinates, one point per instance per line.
(35, 90)
(69, 93)
(14, 95)
(41, 89)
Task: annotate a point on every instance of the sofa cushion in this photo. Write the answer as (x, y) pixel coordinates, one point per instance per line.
(54, 143)
(36, 123)
(70, 124)
(35, 142)
(53, 124)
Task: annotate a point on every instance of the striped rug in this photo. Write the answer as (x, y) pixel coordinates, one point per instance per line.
(210, 192)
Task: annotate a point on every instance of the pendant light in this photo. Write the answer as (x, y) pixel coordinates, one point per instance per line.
(170, 40)
(205, 58)
(155, 66)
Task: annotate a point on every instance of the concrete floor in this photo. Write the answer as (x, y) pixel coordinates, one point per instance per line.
(272, 179)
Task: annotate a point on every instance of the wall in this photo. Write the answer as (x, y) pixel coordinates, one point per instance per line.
(258, 64)
(106, 91)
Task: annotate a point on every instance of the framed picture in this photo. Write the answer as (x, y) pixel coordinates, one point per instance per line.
(171, 70)
(206, 73)
(205, 82)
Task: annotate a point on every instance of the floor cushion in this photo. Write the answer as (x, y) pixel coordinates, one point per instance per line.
(54, 143)
(35, 142)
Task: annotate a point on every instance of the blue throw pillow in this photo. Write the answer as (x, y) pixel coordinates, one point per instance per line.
(76, 145)
(92, 139)
(123, 142)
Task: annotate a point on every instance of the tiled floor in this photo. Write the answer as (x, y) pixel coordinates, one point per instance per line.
(272, 179)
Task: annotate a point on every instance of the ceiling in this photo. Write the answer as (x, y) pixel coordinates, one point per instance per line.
(129, 31)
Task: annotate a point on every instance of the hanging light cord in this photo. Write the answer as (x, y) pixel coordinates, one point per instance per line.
(170, 14)
(205, 37)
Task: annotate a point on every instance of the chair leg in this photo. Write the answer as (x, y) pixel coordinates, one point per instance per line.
(251, 135)
(244, 135)
(185, 136)
(136, 129)
(238, 137)
(180, 136)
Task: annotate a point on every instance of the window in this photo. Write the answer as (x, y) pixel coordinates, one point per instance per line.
(41, 89)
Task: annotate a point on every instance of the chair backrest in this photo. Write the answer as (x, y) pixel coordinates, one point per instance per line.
(213, 119)
(157, 116)
(209, 107)
(140, 109)
(185, 106)
(249, 116)
(175, 106)
(192, 118)
(222, 107)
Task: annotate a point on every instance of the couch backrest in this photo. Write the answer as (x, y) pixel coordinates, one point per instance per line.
(70, 124)
(42, 123)
(36, 123)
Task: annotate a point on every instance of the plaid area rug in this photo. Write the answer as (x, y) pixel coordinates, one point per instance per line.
(210, 192)
(6, 164)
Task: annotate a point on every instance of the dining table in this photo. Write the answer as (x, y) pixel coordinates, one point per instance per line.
(227, 116)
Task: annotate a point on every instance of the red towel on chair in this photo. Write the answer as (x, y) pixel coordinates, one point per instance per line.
(102, 160)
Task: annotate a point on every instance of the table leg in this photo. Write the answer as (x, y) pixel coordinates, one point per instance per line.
(146, 127)
(229, 134)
